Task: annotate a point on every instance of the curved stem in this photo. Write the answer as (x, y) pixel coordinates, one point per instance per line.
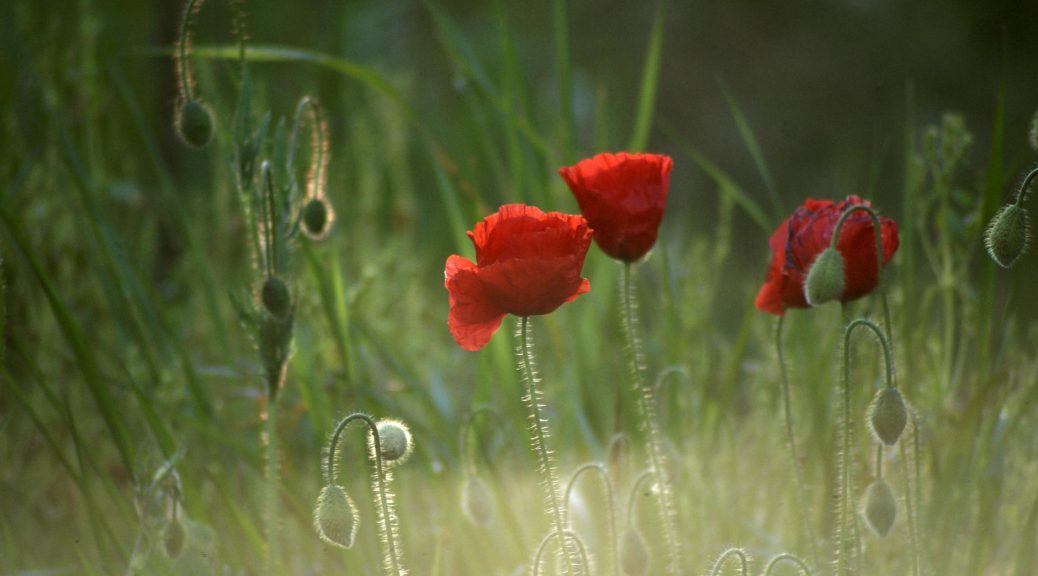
(318, 145)
(650, 424)
(847, 529)
(1021, 193)
(539, 433)
(879, 252)
(610, 495)
(569, 535)
(383, 496)
(737, 553)
(634, 492)
(465, 433)
(663, 378)
(798, 474)
(784, 557)
(182, 42)
(879, 461)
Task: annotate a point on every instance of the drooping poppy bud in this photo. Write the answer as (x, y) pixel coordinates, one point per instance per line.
(395, 441)
(880, 507)
(477, 503)
(888, 415)
(634, 553)
(316, 218)
(825, 280)
(195, 123)
(335, 517)
(1007, 235)
(276, 297)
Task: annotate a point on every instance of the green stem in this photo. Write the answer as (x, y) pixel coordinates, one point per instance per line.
(185, 72)
(1021, 193)
(271, 492)
(610, 495)
(387, 524)
(879, 252)
(784, 557)
(650, 424)
(318, 146)
(798, 474)
(913, 535)
(539, 436)
(846, 534)
(736, 553)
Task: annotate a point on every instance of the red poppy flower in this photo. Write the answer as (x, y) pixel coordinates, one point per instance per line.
(622, 196)
(809, 231)
(527, 263)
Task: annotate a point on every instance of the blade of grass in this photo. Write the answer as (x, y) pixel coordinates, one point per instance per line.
(750, 141)
(563, 69)
(85, 359)
(649, 85)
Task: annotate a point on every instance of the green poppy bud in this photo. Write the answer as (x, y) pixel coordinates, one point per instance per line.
(1007, 235)
(316, 218)
(880, 507)
(336, 517)
(634, 553)
(888, 415)
(275, 297)
(173, 537)
(477, 503)
(394, 440)
(825, 280)
(195, 123)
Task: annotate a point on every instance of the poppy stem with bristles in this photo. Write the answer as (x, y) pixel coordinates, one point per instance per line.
(539, 435)
(879, 253)
(650, 423)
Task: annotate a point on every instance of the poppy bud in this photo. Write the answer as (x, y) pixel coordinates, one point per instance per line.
(888, 415)
(477, 503)
(825, 279)
(173, 537)
(634, 553)
(195, 123)
(1007, 235)
(394, 440)
(276, 297)
(315, 218)
(336, 517)
(880, 507)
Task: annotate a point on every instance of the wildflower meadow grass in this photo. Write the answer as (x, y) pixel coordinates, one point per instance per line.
(461, 288)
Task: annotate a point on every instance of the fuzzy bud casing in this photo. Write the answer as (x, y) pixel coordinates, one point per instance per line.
(634, 553)
(880, 507)
(888, 415)
(336, 517)
(825, 280)
(195, 123)
(1007, 235)
(477, 503)
(394, 440)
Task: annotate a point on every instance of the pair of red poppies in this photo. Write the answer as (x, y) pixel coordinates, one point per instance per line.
(529, 262)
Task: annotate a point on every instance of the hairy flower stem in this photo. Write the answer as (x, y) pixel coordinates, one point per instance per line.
(879, 253)
(271, 483)
(846, 537)
(183, 67)
(906, 466)
(539, 435)
(613, 551)
(387, 524)
(798, 474)
(650, 424)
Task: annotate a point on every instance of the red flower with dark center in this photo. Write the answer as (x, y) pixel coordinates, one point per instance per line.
(527, 263)
(809, 231)
(622, 196)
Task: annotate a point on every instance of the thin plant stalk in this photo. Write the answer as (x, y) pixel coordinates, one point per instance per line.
(650, 423)
(790, 559)
(732, 553)
(906, 465)
(798, 474)
(271, 499)
(846, 528)
(879, 254)
(565, 534)
(539, 435)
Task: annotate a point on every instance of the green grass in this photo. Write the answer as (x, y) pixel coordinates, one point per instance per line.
(122, 254)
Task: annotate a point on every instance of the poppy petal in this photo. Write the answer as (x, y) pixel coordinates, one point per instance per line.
(472, 320)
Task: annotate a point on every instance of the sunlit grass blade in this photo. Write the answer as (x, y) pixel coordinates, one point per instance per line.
(649, 84)
(753, 147)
